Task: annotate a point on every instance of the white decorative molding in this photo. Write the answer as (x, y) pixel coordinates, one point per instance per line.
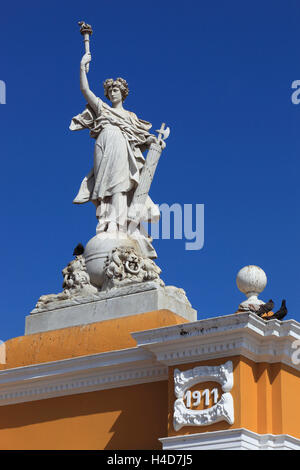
(79, 375)
(220, 337)
(231, 439)
(223, 374)
(222, 410)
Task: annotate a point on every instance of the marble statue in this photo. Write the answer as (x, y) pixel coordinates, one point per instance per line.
(120, 140)
(120, 137)
(118, 183)
(121, 254)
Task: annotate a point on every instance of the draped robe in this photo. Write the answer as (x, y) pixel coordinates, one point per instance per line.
(118, 159)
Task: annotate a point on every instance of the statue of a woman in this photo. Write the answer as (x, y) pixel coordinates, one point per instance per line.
(121, 137)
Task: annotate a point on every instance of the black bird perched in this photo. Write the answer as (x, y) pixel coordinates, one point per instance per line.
(78, 250)
(281, 313)
(265, 308)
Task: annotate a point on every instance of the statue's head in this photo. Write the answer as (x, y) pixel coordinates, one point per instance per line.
(114, 89)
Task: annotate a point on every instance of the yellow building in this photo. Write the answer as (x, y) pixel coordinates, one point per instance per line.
(153, 381)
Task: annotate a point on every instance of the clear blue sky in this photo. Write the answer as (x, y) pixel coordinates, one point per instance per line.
(219, 73)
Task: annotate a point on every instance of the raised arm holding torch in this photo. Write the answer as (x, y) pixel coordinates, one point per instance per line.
(86, 31)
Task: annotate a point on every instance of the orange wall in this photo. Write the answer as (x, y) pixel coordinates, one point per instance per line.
(108, 335)
(120, 418)
(265, 395)
(265, 401)
(290, 392)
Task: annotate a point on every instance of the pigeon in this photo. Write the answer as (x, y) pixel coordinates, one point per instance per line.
(279, 315)
(265, 308)
(78, 250)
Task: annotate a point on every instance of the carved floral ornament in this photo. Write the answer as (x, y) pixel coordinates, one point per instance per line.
(222, 410)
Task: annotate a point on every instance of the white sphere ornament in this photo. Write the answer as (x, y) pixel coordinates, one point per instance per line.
(251, 280)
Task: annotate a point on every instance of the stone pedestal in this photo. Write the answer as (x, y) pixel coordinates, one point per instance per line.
(115, 303)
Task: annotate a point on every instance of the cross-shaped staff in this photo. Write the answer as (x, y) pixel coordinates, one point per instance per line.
(137, 205)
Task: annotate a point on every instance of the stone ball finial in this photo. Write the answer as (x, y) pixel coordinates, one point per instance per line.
(251, 280)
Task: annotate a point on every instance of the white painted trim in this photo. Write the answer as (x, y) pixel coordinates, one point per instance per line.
(222, 410)
(79, 375)
(231, 439)
(221, 337)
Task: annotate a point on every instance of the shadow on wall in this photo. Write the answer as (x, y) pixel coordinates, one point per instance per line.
(121, 418)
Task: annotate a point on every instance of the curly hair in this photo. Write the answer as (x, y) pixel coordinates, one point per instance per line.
(120, 83)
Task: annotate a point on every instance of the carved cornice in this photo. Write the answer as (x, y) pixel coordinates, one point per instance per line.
(238, 334)
(79, 375)
(220, 337)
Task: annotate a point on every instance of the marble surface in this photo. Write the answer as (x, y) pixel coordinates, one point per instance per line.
(115, 303)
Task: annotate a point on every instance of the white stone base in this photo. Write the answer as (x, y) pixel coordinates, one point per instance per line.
(231, 439)
(115, 303)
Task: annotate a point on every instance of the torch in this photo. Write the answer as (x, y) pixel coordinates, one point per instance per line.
(86, 31)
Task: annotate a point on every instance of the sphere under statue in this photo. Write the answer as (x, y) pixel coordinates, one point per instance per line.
(97, 252)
